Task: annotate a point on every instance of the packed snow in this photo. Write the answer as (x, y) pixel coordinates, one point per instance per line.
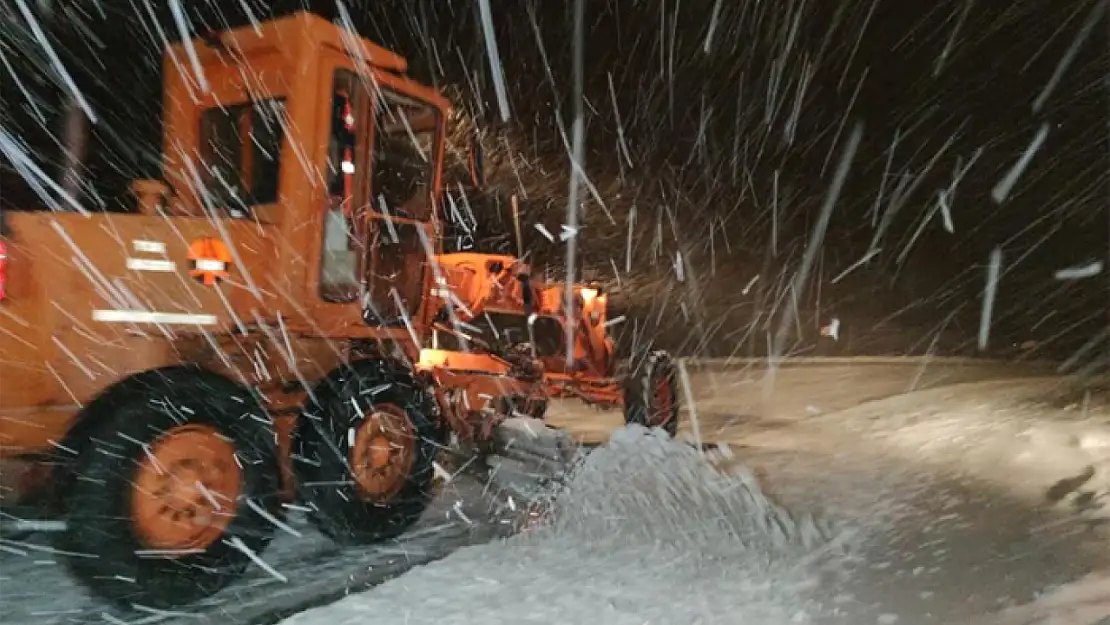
(642, 517)
(856, 525)
(925, 508)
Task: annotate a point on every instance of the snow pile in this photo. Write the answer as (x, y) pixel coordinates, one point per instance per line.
(645, 529)
(644, 488)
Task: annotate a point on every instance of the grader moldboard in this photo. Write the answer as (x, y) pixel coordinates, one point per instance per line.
(172, 379)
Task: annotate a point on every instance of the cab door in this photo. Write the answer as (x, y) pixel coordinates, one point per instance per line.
(400, 235)
(397, 266)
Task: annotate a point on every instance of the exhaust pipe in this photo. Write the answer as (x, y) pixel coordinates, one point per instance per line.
(75, 140)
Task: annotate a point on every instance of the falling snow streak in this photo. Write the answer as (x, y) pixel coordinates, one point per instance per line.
(58, 66)
(904, 190)
(713, 19)
(989, 292)
(35, 177)
(816, 238)
(950, 44)
(1069, 57)
(494, 59)
(179, 20)
(577, 160)
(1083, 272)
(1006, 185)
(621, 143)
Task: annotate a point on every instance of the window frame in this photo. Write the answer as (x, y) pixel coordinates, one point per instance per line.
(380, 93)
(242, 116)
(360, 100)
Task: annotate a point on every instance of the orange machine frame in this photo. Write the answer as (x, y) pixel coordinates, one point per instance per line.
(274, 304)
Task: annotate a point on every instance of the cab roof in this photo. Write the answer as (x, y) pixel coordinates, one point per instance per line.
(297, 31)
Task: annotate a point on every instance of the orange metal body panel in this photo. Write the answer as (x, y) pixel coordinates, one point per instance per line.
(60, 352)
(470, 387)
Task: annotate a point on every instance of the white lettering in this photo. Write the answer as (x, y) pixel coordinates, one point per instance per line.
(150, 264)
(148, 316)
(149, 247)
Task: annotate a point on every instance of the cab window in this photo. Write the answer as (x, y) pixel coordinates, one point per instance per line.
(240, 153)
(404, 156)
(341, 262)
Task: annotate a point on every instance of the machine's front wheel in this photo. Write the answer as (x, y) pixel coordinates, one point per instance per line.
(176, 491)
(651, 393)
(365, 447)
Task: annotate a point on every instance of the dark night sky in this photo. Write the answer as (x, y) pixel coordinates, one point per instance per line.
(683, 110)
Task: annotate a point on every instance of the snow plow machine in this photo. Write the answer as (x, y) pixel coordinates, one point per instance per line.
(264, 328)
(485, 299)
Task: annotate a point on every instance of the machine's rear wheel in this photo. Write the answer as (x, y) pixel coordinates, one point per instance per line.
(175, 491)
(186, 489)
(651, 393)
(365, 451)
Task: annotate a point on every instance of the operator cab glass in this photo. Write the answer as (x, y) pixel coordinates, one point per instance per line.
(509, 329)
(404, 156)
(240, 156)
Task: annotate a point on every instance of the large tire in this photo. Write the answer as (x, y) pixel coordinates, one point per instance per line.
(366, 447)
(651, 393)
(133, 534)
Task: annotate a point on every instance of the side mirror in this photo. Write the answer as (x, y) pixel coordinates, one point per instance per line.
(476, 163)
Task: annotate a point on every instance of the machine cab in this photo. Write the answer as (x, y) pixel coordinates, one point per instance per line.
(312, 133)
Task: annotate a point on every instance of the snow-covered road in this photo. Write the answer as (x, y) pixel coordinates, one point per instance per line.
(35, 590)
(937, 498)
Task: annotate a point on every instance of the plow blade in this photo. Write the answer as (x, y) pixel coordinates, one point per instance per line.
(530, 459)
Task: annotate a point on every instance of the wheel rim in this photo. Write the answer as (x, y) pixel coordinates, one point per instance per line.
(662, 401)
(383, 451)
(186, 490)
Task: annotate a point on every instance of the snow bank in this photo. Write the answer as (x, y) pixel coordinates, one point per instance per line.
(644, 530)
(643, 488)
